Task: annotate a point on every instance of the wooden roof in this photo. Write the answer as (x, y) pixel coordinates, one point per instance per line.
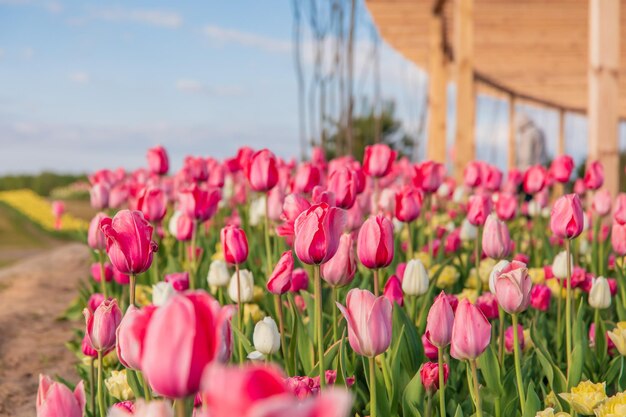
(535, 48)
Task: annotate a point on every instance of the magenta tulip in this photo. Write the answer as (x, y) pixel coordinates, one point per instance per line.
(306, 178)
(317, 233)
(101, 325)
(393, 290)
(369, 322)
(280, 280)
(471, 332)
(56, 400)
(506, 206)
(566, 220)
(513, 285)
(479, 207)
(342, 182)
(96, 272)
(377, 160)
(234, 245)
(540, 297)
(95, 238)
(261, 171)
(178, 280)
(99, 196)
(428, 176)
(594, 175)
(158, 162)
(488, 304)
(429, 374)
(619, 215)
(535, 179)
(561, 168)
(340, 269)
(496, 241)
(129, 241)
(408, 204)
(375, 242)
(299, 280)
(131, 335)
(440, 321)
(153, 203)
(198, 203)
(473, 173)
(618, 239)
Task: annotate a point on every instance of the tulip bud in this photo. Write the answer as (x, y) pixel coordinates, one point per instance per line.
(244, 291)
(130, 335)
(198, 203)
(280, 280)
(266, 338)
(561, 168)
(340, 269)
(317, 233)
(600, 294)
(428, 176)
(306, 178)
(618, 238)
(408, 204)
(513, 286)
(95, 238)
(508, 338)
(619, 214)
(178, 280)
(594, 175)
(488, 304)
(299, 280)
(440, 321)
(393, 290)
(99, 196)
(161, 293)
(567, 217)
(540, 297)
(429, 374)
(495, 271)
(158, 161)
(234, 244)
(506, 206)
(153, 203)
(535, 179)
(375, 246)
(101, 325)
(601, 202)
(496, 241)
(261, 171)
(430, 351)
(96, 272)
(55, 399)
(415, 280)
(559, 265)
(218, 275)
(377, 160)
(342, 182)
(471, 332)
(618, 337)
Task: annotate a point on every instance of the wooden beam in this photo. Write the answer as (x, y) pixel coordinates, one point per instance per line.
(560, 148)
(512, 133)
(437, 92)
(604, 29)
(465, 147)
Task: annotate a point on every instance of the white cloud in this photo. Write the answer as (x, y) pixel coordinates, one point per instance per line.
(188, 85)
(79, 77)
(53, 6)
(231, 36)
(153, 17)
(27, 53)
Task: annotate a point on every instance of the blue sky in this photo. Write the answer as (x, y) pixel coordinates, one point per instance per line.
(87, 85)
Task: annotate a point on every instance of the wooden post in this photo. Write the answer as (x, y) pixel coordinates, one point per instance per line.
(512, 133)
(560, 148)
(604, 30)
(465, 149)
(437, 91)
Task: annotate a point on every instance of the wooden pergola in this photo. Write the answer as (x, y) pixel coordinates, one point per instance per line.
(561, 54)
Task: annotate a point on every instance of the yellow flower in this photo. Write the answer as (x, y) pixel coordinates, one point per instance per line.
(618, 336)
(143, 295)
(425, 258)
(252, 312)
(556, 286)
(448, 276)
(537, 275)
(549, 412)
(257, 294)
(469, 293)
(485, 268)
(218, 255)
(585, 397)
(528, 342)
(118, 387)
(615, 406)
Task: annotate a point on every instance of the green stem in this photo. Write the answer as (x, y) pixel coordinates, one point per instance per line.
(376, 283)
(568, 310)
(334, 308)
(479, 408)
(281, 326)
(477, 253)
(518, 367)
(501, 335)
(146, 388)
(240, 315)
(268, 245)
(596, 320)
(133, 279)
(179, 406)
(429, 404)
(192, 256)
(100, 386)
(92, 385)
(372, 387)
(103, 283)
(442, 386)
(409, 242)
(318, 323)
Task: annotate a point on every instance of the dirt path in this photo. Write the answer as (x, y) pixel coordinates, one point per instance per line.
(33, 293)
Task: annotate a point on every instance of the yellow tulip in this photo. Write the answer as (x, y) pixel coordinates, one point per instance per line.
(615, 406)
(618, 336)
(585, 397)
(118, 387)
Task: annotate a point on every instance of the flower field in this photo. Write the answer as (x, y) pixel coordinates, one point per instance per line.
(256, 286)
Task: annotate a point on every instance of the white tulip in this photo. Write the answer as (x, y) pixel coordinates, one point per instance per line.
(534, 208)
(546, 212)
(257, 211)
(246, 286)
(443, 190)
(495, 271)
(584, 247)
(459, 195)
(600, 294)
(559, 265)
(172, 226)
(468, 231)
(266, 339)
(161, 292)
(415, 280)
(218, 274)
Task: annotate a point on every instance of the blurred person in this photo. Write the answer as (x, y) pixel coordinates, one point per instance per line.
(531, 147)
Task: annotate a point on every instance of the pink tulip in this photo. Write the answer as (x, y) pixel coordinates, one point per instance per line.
(408, 204)
(429, 374)
(280, 280)
(342, 182)
(275, 200)
(513, 285)
(535, 179)
(369, 322)
(540, 297)
(430, 351)
(594, 175)
(153, 203)
(99, 196)
(471, 332)
(293, 205)
(452, 242)
(440, 321)
(317, 233)
(183, 336)
(393, 290)
(158, 162)
(87, 349)
(131, 335)
(619, 215)
(496, 241)
(428, 176)
(340, 269)
(493, 178)
(118, 195)
(95, 238)
(479, 207)
(488, 304)
(234, 245)
(618, 239)
(184, 228)
(102, 324)
(156, 408)
(197, 168)
(508, 338)
(96, 271)
(58, 208)
(307, 177)
(299, 280)
(579, 187)
(261, 170)
(94, 301)
(198, 203)
(56, 400)
(178, 280)
(601, 202)
(506, 206)
(375, 246)
(378, 160)
(129, 241)
(561, 168)
(216, 173)
(473, 173)
(320, 195)
(566, 220)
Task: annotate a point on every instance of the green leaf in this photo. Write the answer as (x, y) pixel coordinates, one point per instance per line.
(490, 369)
(410, 398)
(533, 404)
(459, 411)
(134, 384)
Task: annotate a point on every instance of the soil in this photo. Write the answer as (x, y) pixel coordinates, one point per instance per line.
(34, 292)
